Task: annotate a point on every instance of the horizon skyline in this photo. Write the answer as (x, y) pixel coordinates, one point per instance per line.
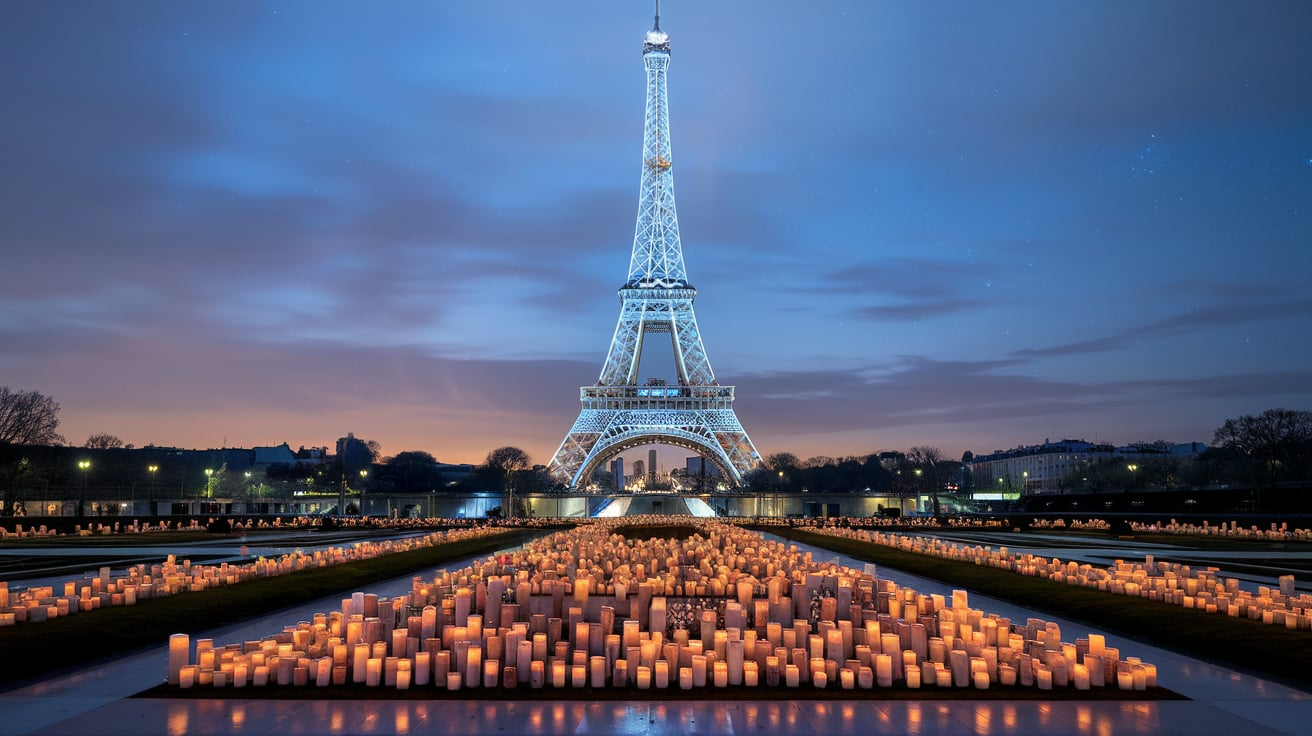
(962, 227)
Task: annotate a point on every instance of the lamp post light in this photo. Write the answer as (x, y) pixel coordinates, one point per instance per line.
(85, 465)
(363, 474)
(153, 470)
(209, 483)
(1132, 467)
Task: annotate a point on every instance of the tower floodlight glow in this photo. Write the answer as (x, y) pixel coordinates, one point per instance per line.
(696, 414)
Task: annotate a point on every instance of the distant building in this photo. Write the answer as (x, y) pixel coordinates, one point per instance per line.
(1041, 468)
(639, 469)
(266, 456)
(697, 465)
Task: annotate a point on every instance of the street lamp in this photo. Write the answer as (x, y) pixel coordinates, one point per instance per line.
(1132, 467)
(363, 474)
(209, 482)
(153, 469)
(85, 465)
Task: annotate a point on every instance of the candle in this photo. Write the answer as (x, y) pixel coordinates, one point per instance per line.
(1081, 677)
(597, 670)
(403, 672)
(751, 674)
(179, 652)
(558, 673)
(644, 677)
(537, 674)
(373, 672)
(491, 672)
(187, 676)
(792, 675)
(913, 676)
(686, 675)
(884, 670)
(359, 660)
(721, 674)
(453, 681)
(698, 670)
(579, 675)
(662, 672)
(423, 667)
(1043, 676)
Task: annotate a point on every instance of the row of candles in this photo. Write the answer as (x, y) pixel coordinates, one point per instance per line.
(1152, 579)
(586, 608)
(1274, 533)
(143, 581)
(137, 526)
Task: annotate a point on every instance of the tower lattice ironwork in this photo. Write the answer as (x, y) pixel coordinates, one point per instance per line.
(618, 414)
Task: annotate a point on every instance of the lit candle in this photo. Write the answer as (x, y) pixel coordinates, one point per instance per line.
(884, 670)
(491, 672)
(685, 675)
(558, 673)
(721, 674)
(179, 652)
(662, 672)
(698, 670)
(579, 675)
(1043, 676)
(453, 681)
(187, 676)
(1081, 677)
(423, 667)
(373, 672)
(597, 670)
(751, 674)
(403, 671)
(792, 675)
(644, 677)
(537, 673)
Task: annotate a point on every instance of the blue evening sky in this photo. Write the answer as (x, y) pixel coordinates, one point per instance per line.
(961, 224)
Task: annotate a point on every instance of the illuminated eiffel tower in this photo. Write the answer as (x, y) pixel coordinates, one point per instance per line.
(697, 413)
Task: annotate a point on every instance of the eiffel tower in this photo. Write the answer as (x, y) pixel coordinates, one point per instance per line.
(618, 414)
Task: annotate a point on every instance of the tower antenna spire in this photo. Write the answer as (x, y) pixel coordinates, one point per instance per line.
(657, 27)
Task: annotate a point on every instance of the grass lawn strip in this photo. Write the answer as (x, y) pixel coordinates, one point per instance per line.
(1249, 646)
(30, 650)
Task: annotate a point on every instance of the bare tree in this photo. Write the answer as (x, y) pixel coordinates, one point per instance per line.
(926, 460)
(1274, 442)
(103, 441)
(506, 463)
(28, 418)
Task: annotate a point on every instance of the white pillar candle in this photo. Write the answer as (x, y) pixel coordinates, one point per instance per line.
(1043, 677)
(721, 674)
(912, 676)
(422, 669)
(1081, 677)
(373, 672)
(403, 673)
(558, 673)
(179, 653)
(491, 672)
(537, 673)
(883, 670)
(644, 677)
(751, 674)
(187, 676)
(453, 681)
(792, 675)
(579, 675)
(685, 677)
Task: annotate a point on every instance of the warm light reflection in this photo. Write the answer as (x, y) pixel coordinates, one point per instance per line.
(401, 723)
(178, 718)
(1009, 717)
(981, 719)
(1083, 718)
(237, 716)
